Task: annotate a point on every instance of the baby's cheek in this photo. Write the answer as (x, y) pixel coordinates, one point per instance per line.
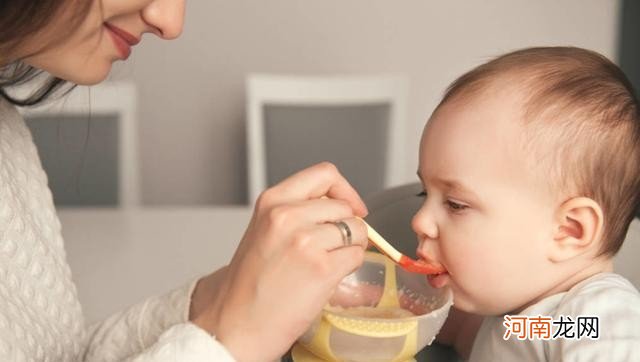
(474, 294)
(466, 279)
(465, 296)
(473, 278)
(463, 260)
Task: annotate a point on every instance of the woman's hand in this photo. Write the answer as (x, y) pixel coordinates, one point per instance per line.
(205, 292)
(287, 265)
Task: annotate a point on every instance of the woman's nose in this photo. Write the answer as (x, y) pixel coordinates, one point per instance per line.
(166, 17)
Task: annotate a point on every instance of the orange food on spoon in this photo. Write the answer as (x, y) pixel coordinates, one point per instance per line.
(408, 264)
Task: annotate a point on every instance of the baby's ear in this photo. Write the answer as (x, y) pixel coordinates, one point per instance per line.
(578, 228)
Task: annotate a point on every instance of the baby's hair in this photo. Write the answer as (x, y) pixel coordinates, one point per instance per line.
(582, 126)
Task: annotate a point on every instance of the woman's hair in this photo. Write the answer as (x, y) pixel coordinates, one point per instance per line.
(21, 21)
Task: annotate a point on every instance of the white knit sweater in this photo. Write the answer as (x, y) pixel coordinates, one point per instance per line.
(40, 315)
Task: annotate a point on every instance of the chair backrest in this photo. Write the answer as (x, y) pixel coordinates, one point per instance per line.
(355, 122)
(105, 170)
(391, 211)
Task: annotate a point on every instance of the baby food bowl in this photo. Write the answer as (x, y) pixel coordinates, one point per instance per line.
(378, 313)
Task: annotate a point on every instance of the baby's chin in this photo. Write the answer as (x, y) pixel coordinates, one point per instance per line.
(480, 307)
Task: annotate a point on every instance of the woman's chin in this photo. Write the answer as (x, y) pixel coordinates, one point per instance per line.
(96, 74)
(86, 74)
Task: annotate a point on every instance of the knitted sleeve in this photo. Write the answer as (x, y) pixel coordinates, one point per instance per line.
(154, 330)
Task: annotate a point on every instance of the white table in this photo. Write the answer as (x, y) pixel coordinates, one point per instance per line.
(121, 257)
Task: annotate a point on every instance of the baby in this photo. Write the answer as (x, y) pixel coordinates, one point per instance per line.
(530, 166)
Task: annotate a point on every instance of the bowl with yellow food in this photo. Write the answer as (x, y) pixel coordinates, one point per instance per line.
(380, 312)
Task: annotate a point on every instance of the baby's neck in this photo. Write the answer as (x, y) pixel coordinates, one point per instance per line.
(600, 265)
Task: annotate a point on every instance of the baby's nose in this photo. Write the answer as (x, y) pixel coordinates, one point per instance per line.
(424, 225)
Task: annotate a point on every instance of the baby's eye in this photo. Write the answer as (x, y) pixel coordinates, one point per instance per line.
(422, 194)
(456, 207)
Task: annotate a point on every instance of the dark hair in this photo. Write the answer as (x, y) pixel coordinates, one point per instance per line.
(581, 110)
(21, 21)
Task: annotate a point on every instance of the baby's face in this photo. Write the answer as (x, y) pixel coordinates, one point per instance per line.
(486, 216)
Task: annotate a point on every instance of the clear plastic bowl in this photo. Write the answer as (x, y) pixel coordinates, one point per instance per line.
(362, 321)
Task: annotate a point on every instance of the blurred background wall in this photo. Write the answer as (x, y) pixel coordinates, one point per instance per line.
(191, 91)
(629, 41)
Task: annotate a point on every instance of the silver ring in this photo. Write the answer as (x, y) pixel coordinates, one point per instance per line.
(345, 231)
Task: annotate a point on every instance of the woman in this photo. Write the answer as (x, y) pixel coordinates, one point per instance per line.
(289, 260)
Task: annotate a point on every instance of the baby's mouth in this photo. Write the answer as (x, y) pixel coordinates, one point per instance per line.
(436, 280)
(424, 259)
(439, 280)
(435, 267)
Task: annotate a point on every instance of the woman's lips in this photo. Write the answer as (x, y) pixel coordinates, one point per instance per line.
(122, 40)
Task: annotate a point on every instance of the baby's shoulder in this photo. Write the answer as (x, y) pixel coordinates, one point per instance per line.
(607, 306)
(604, 295)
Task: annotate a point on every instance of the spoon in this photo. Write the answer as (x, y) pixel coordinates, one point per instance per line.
(408, 264)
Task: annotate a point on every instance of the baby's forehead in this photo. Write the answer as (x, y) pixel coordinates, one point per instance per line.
(472, 127)
(500, 103)
(508, 86)
(491, 119)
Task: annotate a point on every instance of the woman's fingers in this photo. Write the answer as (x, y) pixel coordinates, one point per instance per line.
(322, 179)
(307, 213)
(318, 211)
(288, 263)
(345, 261)
(330, 236)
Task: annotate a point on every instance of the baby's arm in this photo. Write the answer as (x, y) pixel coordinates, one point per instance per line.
(459, 331)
